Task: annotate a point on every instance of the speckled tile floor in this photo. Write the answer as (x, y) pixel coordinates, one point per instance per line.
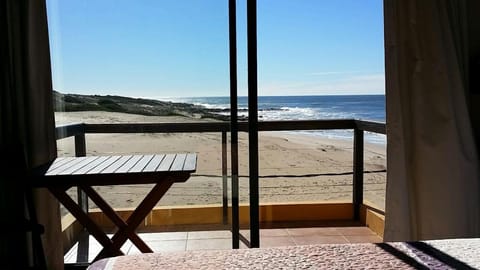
(202, 240)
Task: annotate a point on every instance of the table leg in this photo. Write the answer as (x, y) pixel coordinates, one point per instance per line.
(117, 220)
(84, 219)
(137, 216)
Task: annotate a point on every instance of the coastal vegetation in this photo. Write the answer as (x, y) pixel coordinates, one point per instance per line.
(142, 106)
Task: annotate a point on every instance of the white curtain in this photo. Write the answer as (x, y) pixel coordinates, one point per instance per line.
(27, 134)
(433, 188)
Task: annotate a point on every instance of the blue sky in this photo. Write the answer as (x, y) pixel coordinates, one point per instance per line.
(179, 48)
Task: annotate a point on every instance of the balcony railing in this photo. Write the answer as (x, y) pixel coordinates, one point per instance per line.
(78, 131)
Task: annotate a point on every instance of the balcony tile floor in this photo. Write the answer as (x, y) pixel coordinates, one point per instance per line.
(202, 240)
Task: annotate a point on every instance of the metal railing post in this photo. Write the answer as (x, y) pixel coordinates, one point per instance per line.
(224, 178)
(232, 40)
(253, 123)
(357, 172)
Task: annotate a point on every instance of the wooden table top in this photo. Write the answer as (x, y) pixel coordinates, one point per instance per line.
(111, 170)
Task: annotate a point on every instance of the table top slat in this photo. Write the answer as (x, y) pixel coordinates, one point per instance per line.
(116, 170)
(100, 167)
(91, 165)
(129, 164)
(59, 169)
(178, 162)
(141, 164)
(190, 162)
(166, 163)
(78, 166)
(59, 162)
(154, 163)
(117, 164)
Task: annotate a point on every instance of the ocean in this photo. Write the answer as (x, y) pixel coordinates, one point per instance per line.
(362, 107)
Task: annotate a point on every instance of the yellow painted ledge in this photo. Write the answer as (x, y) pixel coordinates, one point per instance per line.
(212, 214)
(373, 218)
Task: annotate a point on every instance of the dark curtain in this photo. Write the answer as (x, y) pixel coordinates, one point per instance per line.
(27, 135)
(433, 177)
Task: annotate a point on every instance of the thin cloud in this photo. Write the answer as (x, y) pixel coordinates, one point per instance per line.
(348, 85)
(324, 73)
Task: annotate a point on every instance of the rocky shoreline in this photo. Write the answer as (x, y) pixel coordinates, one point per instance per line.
(141, 106)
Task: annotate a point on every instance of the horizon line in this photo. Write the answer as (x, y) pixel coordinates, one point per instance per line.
(216, 96)
(276, 96)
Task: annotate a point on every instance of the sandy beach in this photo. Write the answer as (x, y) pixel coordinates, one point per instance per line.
(293, 167)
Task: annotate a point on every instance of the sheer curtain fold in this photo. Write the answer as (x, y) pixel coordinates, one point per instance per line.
(433, 168)
(27, 120)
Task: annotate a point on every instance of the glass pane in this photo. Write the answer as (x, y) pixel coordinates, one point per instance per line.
(145, 62)
(319, 60)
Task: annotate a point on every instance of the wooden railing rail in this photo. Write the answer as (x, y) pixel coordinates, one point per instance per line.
(69, 130)
(370, 126)
(216, 126)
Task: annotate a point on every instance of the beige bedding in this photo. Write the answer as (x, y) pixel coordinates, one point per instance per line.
(438, 254)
